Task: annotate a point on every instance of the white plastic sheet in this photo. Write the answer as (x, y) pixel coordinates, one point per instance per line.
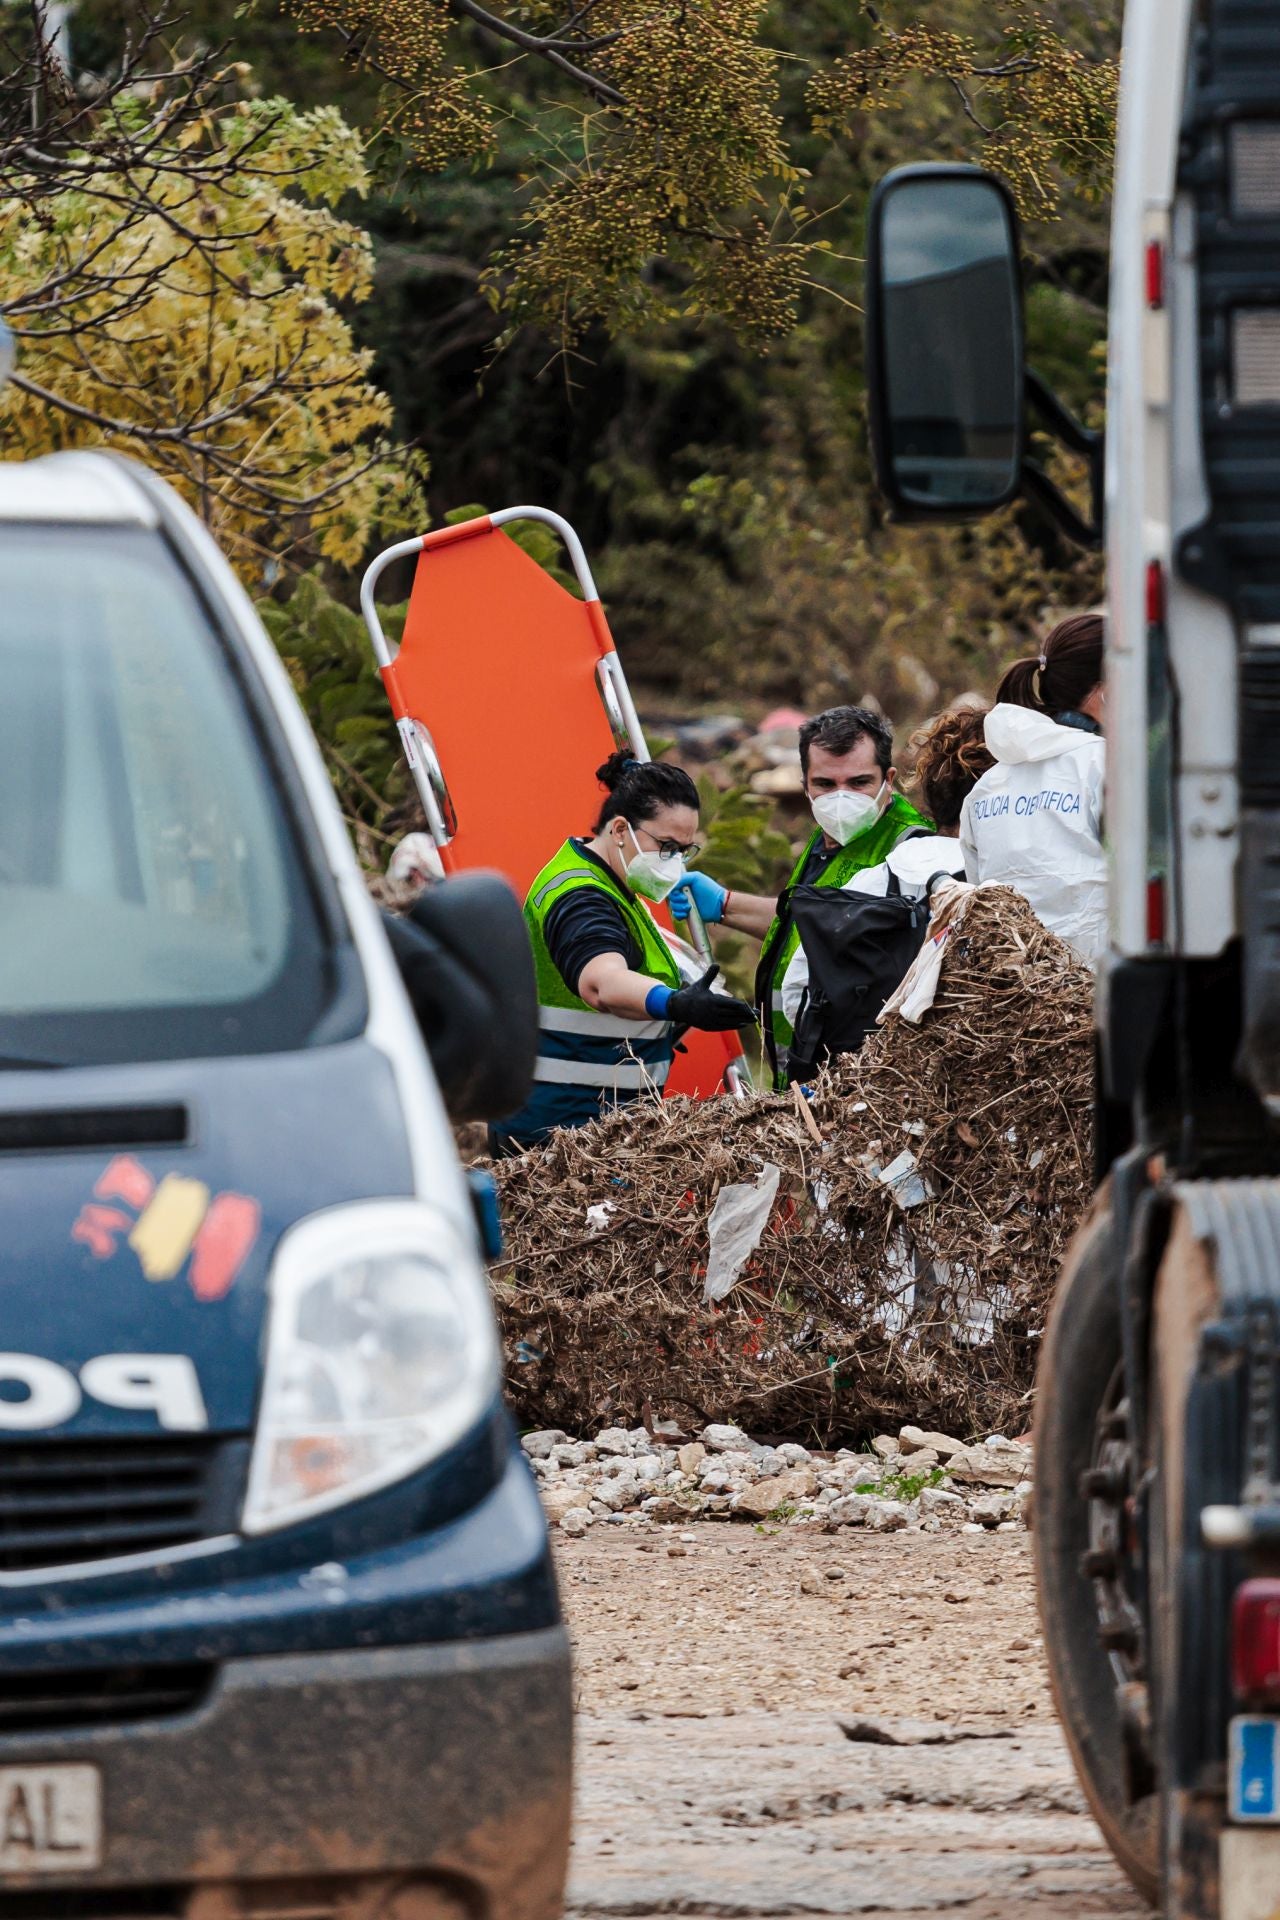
(738, 1220)
(916, 991)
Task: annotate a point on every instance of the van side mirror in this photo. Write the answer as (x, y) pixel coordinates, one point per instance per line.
(464, 956)
(945, 353)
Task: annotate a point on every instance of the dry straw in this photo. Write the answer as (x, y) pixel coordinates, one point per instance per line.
(856, 1311)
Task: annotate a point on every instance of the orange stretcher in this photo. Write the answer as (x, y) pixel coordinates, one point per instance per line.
(513, 685)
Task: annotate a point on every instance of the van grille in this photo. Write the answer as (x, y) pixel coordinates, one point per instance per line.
(341, 1899)
(94, 1903)
(43, 1702)
(67, 1501)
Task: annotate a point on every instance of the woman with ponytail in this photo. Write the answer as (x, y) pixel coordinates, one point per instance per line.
(612, 1001)
(1034, 820)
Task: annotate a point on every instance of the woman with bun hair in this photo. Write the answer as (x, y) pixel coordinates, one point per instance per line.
(1034, 822)
(610, 994)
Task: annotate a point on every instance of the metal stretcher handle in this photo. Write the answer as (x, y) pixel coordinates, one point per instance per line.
(419, 749)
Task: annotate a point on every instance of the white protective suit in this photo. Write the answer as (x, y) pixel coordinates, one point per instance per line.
(914, 862)
(1034, 822)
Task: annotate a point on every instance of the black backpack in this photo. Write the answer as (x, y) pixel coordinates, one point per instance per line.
(859, 946)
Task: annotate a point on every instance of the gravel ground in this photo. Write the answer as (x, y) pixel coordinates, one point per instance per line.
(735, 1688)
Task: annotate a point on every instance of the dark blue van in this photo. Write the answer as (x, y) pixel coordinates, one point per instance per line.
(279, 1635)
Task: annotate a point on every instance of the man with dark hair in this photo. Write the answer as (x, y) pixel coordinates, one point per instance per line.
(846, 755)
(839, 729)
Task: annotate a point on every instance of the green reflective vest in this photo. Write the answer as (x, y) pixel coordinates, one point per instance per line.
(604, 1054)
(782, 939)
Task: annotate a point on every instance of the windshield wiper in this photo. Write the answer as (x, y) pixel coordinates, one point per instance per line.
(20, 1062)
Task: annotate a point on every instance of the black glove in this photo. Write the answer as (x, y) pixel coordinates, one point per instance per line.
(712, 1012)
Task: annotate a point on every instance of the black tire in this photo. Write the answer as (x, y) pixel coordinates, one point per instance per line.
(1081, 1358)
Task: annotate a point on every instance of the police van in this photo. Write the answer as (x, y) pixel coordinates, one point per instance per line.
(278, 1630)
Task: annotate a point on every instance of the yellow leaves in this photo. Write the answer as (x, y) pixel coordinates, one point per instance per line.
(187, 307)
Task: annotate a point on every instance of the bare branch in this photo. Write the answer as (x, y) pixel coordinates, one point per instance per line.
(545, 50)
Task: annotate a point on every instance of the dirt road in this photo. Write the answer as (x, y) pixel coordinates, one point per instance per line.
(735, 1687)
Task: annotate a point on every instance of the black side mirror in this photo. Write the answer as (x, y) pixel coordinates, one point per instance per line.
(464, 956)
(945, 351)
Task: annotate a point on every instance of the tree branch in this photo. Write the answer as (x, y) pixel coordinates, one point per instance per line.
(545, 50)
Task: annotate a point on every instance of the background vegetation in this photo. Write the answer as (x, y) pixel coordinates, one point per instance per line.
(603, 255)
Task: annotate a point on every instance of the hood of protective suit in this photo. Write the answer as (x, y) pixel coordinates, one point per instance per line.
(1034, 822)
(1016, 735)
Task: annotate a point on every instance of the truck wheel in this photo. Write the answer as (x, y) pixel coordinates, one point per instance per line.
(1093, 1633)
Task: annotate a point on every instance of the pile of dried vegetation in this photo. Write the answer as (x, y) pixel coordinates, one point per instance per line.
(923, 1201)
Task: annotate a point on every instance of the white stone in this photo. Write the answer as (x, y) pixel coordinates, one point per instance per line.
(617, 1493)
(792, 1454)
(851, 1511)
(989, 1508)
(913, 1440)
(939, 1500)
(615, 1440)
(538, 1445)
(574, 1453)
(787, 1489)
(717, 1479)
(557, 1500)
(991, 1467)
(886, 1516)
(724, 1439)
(575, 1522)
(740, 1464)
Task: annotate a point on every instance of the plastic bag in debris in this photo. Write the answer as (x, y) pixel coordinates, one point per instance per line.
(905, 1181)
(738, 1219)
(916, 991)
(415, 862)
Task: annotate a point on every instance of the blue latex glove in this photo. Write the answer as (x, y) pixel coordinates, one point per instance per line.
(708, 897)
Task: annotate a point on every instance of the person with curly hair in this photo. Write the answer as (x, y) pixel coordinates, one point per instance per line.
(951, 756)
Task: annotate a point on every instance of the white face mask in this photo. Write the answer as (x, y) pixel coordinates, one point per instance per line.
(844, 815)
(652, 875)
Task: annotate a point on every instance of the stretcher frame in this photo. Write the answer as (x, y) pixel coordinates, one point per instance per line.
(417, 745)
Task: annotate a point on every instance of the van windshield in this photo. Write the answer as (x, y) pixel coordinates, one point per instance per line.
(152, 902)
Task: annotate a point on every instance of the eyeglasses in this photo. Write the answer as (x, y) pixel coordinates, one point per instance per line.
(668, 848)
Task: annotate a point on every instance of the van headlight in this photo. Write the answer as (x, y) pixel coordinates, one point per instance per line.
(381, 1354)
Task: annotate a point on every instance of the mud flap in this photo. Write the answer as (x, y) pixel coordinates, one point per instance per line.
(1250, 1875)
(1217, 1336)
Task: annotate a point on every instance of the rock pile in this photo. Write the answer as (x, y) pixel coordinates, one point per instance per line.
(925, 1482)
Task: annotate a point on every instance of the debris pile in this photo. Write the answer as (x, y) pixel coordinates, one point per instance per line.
(923, 1482)
(820, 1270)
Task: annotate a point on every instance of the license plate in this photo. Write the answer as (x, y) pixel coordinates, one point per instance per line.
(1255, 1769)
(50, 1819)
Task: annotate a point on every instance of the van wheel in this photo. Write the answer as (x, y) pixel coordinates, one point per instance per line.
(1094, 1634)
